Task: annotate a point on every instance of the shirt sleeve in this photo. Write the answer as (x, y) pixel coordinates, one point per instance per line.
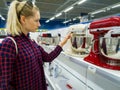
(48, 57)
(7, 60)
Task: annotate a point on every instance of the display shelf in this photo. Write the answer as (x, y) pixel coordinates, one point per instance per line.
(89, 74)
(80, 77)
(70, 70)
(112, 75)
(53, 82)
(50, 80)
(99, 78)
(64, 80)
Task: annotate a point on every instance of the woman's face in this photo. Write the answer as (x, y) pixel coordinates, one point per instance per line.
(32, 23)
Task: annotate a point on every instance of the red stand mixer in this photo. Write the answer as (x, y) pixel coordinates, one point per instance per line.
(99, 52)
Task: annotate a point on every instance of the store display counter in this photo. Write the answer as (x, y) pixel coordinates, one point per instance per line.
(79, 74)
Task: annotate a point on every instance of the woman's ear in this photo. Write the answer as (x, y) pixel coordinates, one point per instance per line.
(22, 19)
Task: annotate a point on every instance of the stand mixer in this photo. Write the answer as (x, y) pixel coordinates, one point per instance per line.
(80, 41)
(105, 51)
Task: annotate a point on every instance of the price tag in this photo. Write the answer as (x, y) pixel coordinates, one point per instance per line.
(92, 69)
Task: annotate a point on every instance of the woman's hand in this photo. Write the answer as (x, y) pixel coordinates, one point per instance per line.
(65, 39)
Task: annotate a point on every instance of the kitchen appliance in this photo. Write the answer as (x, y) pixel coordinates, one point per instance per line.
(80, 43)
(105, 51)
(48, 39)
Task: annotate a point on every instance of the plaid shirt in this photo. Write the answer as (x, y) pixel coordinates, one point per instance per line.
(24, 71)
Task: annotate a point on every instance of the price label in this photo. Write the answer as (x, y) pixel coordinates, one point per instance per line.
(92, 69)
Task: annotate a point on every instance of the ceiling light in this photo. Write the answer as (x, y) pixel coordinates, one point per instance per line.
(74, 19)
(69, 20)
(68, 9)
(108, 8)
(79, 17)
(116, 6)
(2, 18)
(47, 21)
(81, 2)
(57, 15)
(99, 11)
(92, 15)
(52, 18)
(66, 22)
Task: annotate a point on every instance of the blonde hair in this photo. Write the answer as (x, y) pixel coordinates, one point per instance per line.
(16, 9)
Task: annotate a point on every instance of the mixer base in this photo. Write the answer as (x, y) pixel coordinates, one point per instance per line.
(103, 61)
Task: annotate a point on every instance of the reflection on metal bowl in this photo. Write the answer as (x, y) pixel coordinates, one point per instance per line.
(110, 48)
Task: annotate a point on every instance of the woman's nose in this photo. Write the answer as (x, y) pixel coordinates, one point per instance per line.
(39, 24)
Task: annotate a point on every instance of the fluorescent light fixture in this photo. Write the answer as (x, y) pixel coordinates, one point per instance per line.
(99, 11)
(115, 6)
(57, 15)
(81, 2)
(92, 15)
(2, 18)
(47, 21)
(74, 19)
(68, 9)
(52, 18)
(65, 22)
(79, 17)
(69, 20)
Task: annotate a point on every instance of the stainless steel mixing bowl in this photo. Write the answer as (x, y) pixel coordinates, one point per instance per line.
(110, 47)
(80, 43)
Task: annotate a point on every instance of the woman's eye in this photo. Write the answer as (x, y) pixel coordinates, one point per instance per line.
(36, 20)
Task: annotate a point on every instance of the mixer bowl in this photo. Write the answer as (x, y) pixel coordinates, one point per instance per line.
(48, 40)
(80, 44)
(110, 47)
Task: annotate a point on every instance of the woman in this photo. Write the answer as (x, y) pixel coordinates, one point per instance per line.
(24, 71)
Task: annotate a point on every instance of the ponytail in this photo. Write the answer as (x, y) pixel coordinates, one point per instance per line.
(13, 26)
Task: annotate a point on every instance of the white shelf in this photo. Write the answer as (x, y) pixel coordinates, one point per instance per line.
(113, 75)
(60, 82)
(90, 75)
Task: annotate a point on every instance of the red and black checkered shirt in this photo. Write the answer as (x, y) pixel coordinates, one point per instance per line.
(24, 71)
